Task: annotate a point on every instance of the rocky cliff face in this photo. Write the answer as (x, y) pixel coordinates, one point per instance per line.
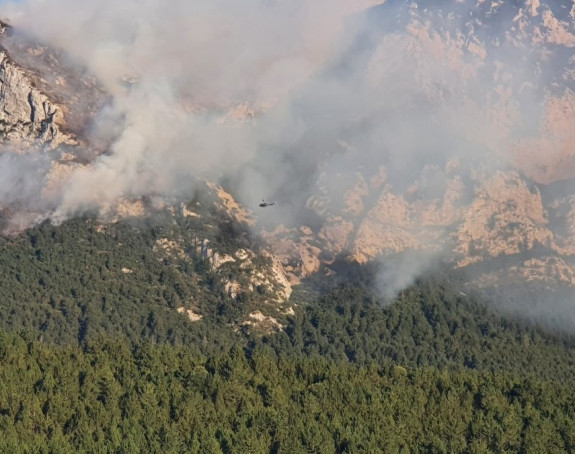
(44, 103)
(502, 75)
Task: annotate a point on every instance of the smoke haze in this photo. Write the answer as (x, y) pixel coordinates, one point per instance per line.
(288, 100)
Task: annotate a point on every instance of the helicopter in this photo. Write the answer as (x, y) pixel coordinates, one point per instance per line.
(266, 204)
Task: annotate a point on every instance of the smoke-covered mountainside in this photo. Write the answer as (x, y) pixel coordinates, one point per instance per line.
(408, 136)
(452, 141)
(405, 134)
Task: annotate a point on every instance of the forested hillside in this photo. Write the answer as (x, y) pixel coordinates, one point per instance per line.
(95, 357)
(71, 282)
(432, 324)
(110, 397)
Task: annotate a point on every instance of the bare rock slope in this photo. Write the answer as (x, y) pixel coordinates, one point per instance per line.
(502, 76)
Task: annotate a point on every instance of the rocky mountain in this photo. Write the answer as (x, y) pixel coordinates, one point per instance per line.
(434, 133)
(488, 86)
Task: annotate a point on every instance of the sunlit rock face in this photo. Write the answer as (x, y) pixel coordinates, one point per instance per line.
(44, 101)
(466, 150)
(34, 122)
(506, 217)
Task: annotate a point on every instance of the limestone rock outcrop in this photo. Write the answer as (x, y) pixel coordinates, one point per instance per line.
(43, 103)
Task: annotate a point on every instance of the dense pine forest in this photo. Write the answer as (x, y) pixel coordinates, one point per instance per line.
(113, 397)
(94, 356)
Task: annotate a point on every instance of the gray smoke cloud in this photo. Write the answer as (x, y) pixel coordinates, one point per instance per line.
(286, 99)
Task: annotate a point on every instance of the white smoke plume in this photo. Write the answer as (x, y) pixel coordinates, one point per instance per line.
(189, 65)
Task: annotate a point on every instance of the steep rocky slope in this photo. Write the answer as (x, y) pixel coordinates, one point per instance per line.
(495, 81)
(45, 102)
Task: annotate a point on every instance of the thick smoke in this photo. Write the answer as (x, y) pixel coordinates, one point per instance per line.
(299, 69)
(180, 76)
(285, 99)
